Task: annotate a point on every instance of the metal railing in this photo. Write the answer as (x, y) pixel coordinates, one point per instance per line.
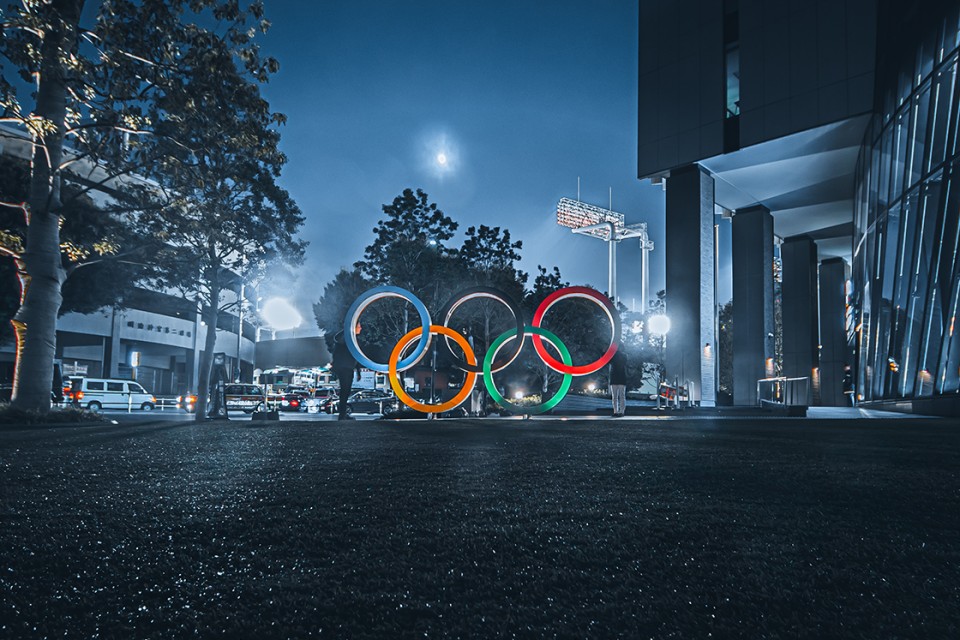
(166, 404)
(788, 392)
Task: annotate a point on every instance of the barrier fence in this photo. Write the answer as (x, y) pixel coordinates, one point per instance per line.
(788, 392)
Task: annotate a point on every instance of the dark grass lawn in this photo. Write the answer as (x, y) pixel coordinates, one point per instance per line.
(482, 528)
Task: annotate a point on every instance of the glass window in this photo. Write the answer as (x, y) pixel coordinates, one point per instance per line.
(926, 55)
(927, 301)
(888, 106)
(94, 386)
(948, 375)
(904, 85)
(921, 112)
(890, 252)
(914, 372)
(901, 296)
(949, 41)
(732, 64)
(900, 148)
(864, 375)
(943, 88)
(886, 161)
(135, 388)
(950, 371)
(883, 304)
(115, 386)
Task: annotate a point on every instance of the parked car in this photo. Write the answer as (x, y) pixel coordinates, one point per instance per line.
(239, 397)
(97, 394)
(370, 401)
(291, 402)
(187, 402)
(245, 397)
(318, 399)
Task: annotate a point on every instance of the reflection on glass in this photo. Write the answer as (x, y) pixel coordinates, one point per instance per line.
(732, 64)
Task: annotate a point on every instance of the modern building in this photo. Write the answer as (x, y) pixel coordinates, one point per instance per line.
(825, 134)
(155, 339)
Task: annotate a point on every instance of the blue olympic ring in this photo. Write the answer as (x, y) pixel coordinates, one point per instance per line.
(366, 299)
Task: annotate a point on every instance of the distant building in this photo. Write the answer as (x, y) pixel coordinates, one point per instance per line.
(825, 133)
(156, 339)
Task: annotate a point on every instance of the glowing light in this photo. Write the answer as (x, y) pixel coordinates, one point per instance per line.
(280, 314)
(439, 154)
(518, 395)
(592, 386)
(659, 325)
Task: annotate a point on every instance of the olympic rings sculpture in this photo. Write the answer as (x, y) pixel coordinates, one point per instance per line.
(511, 342)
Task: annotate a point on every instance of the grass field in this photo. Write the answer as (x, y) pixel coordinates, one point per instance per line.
(482, 528)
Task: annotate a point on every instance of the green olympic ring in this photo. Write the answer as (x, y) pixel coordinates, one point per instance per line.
(492, 388)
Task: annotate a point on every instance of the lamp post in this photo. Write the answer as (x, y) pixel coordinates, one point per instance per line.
(236, 377)
(659, 325)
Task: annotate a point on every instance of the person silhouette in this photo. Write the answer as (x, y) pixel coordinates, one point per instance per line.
(618, 382)
(344, 366)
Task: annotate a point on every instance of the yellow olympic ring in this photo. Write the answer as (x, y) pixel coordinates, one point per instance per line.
(468, 383)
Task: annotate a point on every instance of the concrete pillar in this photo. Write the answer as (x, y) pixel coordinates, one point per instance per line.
(800, 330)
(752, 301)
(690, 281)
(193, 358)
(111, 347)
(835, 352)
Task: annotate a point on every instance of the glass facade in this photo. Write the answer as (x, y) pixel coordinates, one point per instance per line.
(906, 270)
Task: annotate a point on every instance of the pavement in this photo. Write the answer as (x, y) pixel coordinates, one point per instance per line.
(844, 525)
(580, 409)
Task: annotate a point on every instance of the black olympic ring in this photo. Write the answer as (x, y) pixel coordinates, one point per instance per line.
(473, 293)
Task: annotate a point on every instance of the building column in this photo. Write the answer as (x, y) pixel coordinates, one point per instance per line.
(111, 347)
(800, 330)
(835, 352)
(752, 301)
(193, 356)
(690, 289)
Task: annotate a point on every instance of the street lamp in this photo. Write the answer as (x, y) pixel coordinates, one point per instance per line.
(659, 325)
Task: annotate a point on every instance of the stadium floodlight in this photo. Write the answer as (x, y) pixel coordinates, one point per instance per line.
(609, 226)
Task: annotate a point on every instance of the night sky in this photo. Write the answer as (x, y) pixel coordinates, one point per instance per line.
(520, 97)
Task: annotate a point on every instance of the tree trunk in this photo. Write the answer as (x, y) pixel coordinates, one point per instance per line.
(40, 268)
(210, 314)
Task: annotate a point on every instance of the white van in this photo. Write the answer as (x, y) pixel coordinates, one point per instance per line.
(104, 393)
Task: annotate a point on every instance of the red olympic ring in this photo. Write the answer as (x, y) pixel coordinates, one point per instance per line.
(593, 296)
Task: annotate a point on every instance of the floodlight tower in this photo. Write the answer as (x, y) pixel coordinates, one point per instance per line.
(608, 225)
